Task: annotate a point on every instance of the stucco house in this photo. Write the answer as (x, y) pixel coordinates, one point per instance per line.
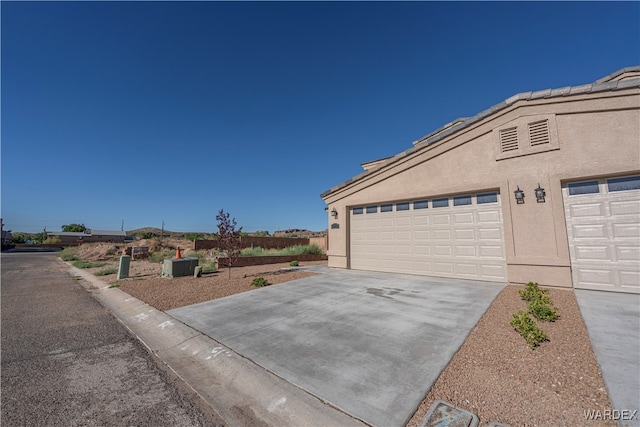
(543, 187)
(89, 235)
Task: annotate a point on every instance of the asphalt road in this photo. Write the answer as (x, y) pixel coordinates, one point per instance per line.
(67, 361)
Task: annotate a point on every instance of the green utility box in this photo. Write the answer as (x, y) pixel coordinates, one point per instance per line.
(179, 267)
(123, 267)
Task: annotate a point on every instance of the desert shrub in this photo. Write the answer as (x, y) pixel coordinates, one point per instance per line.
(260, 282)
(294, 263)
(542, 311)
(210, 268)
(539, 302)
(51, 240)
(106, 272)
(84, 264)
(532, 292)
(69, 254)
(289, 250)
(161, 255)
(527, 327)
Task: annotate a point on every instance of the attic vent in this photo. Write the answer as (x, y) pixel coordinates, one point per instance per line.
(509, 139)
(539, 133)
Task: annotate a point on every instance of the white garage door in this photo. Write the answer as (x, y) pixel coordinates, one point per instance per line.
(458, 237)
(603, 226)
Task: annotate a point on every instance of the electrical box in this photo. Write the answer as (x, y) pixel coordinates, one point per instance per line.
(179, 267)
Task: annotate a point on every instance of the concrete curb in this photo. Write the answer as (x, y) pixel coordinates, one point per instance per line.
(240, 391)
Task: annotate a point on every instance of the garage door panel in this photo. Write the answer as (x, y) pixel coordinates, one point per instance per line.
(492, 272)
(441, 219)
(463, 218)
(465, 251)
(421, 236)
(443, 268)
(490, 234)
(422, 250)
(442, 234)
(628, 253)
(589, 231)
(465, 241)
(491, 251)
(468, 270)
(592, 253)
(626, 207)
(630, 280)
(402, 222)
(626, 230)
(491, 216)
(465, 234)
(441, 250)
(421, 219)
(587, 210)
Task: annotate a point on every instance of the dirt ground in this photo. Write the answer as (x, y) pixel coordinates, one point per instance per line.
(494, 374)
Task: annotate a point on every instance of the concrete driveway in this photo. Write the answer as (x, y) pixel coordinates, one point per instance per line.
(613, 322)
(371, 344)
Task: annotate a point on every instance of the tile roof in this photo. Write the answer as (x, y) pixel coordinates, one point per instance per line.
(607, 83)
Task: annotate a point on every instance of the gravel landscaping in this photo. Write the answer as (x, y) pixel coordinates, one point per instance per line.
(494, 374)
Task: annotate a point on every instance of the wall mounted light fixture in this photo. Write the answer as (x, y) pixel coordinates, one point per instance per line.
(519, 194)
(334, 213)
(540, 194)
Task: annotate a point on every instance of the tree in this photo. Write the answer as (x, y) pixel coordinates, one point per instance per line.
(74, 228)
(19, 238)
(229, 238)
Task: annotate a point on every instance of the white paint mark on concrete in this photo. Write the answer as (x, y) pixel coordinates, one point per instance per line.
(217, 351)
(141, 317)
(275, 405)
(165, 324)
(184, 347)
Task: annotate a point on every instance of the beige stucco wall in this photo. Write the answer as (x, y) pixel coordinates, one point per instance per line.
(591, 135)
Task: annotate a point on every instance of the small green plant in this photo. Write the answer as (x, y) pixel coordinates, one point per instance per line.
(542, 311)
(532, 292)
(69, 254)
(539, 302)
(260, 282)
(527, 327)
(106, 272)
(294, 263)
(156, 257)
(114, 285)
(210, 268)
(84, 264)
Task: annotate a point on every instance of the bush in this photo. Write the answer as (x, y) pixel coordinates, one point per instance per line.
(69, 254)
(289, 250)
(532, 292)
(527, 327)
(161, 255)
(539, 302)
(260, 282)
(294, 263)
(542, 311)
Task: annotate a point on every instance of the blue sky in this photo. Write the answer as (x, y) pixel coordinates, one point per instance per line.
(160, 111)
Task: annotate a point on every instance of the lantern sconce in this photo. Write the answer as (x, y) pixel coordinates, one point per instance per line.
(334, 213)
(519, 195)
(540, 194)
